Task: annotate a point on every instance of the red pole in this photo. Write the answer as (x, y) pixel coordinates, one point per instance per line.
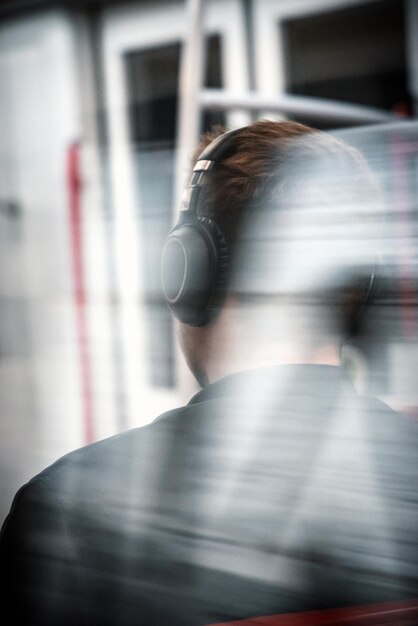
(74, 185)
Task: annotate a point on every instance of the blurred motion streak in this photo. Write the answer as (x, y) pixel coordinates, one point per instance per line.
(384, 614)
(403, 207)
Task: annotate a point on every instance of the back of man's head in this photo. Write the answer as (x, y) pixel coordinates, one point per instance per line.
(296, 208)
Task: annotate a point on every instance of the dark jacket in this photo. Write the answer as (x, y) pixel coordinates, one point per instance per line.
(277, 490)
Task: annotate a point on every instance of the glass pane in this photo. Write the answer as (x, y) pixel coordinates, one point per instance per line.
(354, 54)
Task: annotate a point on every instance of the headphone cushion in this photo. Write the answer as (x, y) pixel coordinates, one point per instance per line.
(221, 246)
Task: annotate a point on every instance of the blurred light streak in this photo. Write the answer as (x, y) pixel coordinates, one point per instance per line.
(402, 208)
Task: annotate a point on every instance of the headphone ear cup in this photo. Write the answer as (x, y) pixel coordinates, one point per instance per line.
(195, 255)
(193, 270)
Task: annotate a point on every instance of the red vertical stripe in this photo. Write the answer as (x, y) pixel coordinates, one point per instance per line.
(74, 200)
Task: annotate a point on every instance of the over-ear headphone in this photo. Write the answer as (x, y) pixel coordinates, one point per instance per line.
(195, 254)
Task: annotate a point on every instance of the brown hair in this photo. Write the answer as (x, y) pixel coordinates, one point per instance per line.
(265, 158)
(266, 162)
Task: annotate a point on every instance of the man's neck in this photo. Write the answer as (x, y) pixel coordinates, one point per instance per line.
(233, 361)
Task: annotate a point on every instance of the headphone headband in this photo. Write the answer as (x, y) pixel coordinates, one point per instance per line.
(210, 155)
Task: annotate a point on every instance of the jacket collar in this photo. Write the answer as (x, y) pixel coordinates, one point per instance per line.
(299, 380)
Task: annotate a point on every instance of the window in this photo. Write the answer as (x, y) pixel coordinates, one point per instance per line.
(355, 54)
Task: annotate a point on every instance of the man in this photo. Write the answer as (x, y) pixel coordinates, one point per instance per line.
(277, 493)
